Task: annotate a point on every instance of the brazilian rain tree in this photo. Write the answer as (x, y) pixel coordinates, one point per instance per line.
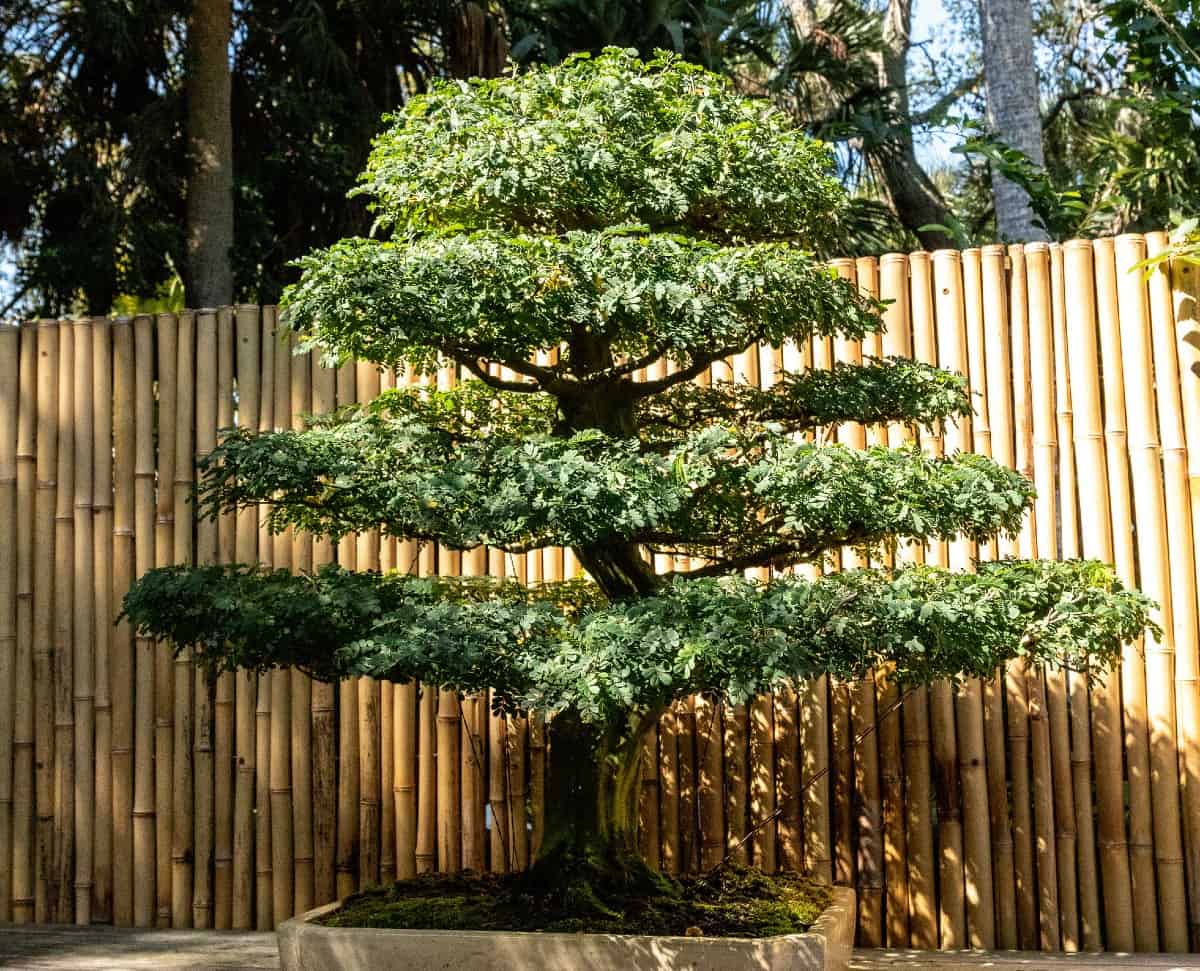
(552, 234)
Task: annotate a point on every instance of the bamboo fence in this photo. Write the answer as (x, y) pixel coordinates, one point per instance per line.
(1031, 808)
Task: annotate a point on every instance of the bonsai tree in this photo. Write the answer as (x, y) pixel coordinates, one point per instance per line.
(553, 233)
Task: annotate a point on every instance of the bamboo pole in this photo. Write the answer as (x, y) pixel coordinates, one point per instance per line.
(323, 707)
(842, 740)
(537, 782)
(799, 848)
(369, 764)
(1017, 722)
(387, 720)
(685, 739)
(951, 900)
(516, 730)
(264, 882)
(43, 613)
(1097, 541)
(978, 793)
(1169, 382)
(668, 783)
(1133, 669)
(387, 779)
(895, 843)
(224, 705)
(283, 848)
(1044, 460)
(449, 716)
(423, 561)
(890, 278)
(166, 345)
(997, 351)
(145, 730)
(870, 813)
(649, 832)
(205, 764)
(473, 563)
(1061, 518)
(9, 404)
(1154, 572)
(101, 394)
(500, 845)
(518, 790)
(977, 852)
(425, 851)
(918, 894)
(304, 890)
(736, 732)
(449, 787)
(1075, 687)
(923, 926)
(348, 781)
(863, 747)
(787, 780)
(24, 840)
(835, 695)
(183, 844)
(121, 665)
(248, 335)
(62, 896)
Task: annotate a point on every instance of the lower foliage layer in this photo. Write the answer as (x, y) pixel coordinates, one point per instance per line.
(730, 902)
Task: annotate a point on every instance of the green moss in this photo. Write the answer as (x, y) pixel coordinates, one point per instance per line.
(732, 902)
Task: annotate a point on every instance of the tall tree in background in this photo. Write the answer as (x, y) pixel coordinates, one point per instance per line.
(210, 239)
(91, 151)
(1013, 110)
(881, 99)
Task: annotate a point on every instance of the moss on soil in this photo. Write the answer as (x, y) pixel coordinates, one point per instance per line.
(731, 902)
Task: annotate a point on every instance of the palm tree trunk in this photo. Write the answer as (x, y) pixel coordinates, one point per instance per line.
(210, 146)
(1012, 99)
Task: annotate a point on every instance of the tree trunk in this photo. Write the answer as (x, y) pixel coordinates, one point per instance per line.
(476, 42)
(1012, 99)
(210, 146)
(917, 201)
(589, 853)
(591, 786)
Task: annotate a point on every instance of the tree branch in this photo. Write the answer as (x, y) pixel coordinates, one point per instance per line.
(470, 356)
(644, 389)
(499, 384)
(933, 114)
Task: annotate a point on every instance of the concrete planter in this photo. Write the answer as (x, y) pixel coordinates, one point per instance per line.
(307, 946)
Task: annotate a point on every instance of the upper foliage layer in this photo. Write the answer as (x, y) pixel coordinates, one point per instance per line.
(595, 142)
(553, 649)
(739, 498)
(589, 296)
(606, 211)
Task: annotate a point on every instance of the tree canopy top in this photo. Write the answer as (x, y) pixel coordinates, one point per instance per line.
(603, 213)
(600, 141)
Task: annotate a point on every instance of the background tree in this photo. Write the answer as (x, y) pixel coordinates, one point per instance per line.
(1013, 107)
(210, 156)
(93, 119)
(610, 213)
(91, 149)
(93, 123)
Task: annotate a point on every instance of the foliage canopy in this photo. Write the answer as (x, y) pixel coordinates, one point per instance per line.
(553, 233)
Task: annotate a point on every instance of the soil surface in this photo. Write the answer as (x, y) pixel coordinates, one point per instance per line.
(730, 902)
